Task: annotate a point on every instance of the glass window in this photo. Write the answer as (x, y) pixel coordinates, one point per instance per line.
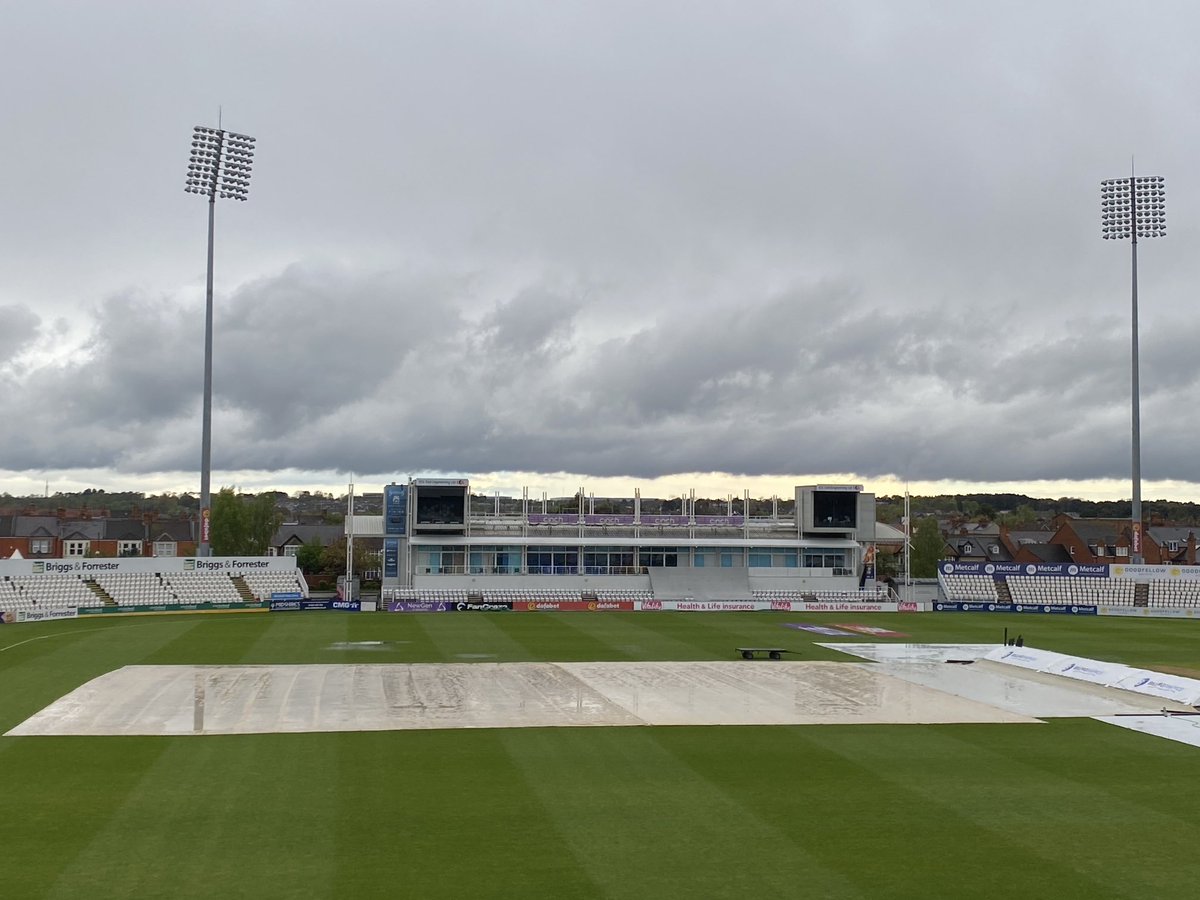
(773, 557)
(443, 560)
(487, 560)
(164, 548)
(75, 548)
(553, 561)
(609, 560)
(720, 557)
(658, 557)
(824, 559)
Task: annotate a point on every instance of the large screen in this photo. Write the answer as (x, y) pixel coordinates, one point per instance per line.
(835, 509)
(441, 506)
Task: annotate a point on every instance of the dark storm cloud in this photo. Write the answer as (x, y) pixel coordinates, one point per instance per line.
(312, 375)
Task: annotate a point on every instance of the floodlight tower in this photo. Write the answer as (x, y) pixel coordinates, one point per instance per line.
(219, 167)
(1134, 207)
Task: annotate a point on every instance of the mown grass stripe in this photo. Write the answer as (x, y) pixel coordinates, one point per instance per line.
(213, 817)
(564, 630)
(642, 825)
(445, 815)
(889, 836)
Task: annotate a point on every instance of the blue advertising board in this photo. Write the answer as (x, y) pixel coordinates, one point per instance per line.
(395, 509)
(1070, 609)
(1061, 569)
(391, 558)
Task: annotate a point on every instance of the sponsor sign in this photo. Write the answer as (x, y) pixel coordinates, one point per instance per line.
(608, 520)
(720, 605)
(676, 521)
(818, 629)
(7, 618)
(165, 565)
(761, 605)
(301, 605)
(950, 567)
(720, 521)
(1156, 573)
(842, 606)
(395, 502)
(159, 608)
(1142, 611)
(420, 606)
(570, 605)
(482, 606)
(908, 606)
(46, 615)
(558, 518)
(391, 558)
(1070, 609)
(1168, 687)
(286, 595)
(1026, 657)
(233, 564)
(1091, 671)
(1060, 570)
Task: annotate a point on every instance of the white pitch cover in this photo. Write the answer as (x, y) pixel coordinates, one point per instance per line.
(1026, 657)
(1142, 681)
(1092, 671)
(1168, 687)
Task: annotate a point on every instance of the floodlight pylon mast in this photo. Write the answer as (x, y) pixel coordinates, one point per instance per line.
(1130, 208)
(219, 166)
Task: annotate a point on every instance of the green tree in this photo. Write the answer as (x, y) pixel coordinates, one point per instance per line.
(263, 520)
(1024, 516)
(927, 547)
(243, 526)
(332, 558)
(310, 557)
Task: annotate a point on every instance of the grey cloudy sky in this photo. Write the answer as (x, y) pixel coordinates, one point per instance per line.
(670, 244)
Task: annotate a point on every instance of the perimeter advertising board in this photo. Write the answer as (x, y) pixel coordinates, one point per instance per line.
(415, 605)
(163, 608)
(166, 565)
(293, 605)
(1069, 609)
(572, 605)
(1059, 570)
(44, 615)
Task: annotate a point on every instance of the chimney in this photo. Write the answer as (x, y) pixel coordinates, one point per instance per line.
(1190, 559)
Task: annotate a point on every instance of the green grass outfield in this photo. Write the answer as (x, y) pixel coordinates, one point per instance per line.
(1073, 808)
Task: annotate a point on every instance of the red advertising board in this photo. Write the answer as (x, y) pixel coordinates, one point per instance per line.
(572, 605)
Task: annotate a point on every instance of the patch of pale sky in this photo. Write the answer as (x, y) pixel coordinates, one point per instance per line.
(708, 485)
